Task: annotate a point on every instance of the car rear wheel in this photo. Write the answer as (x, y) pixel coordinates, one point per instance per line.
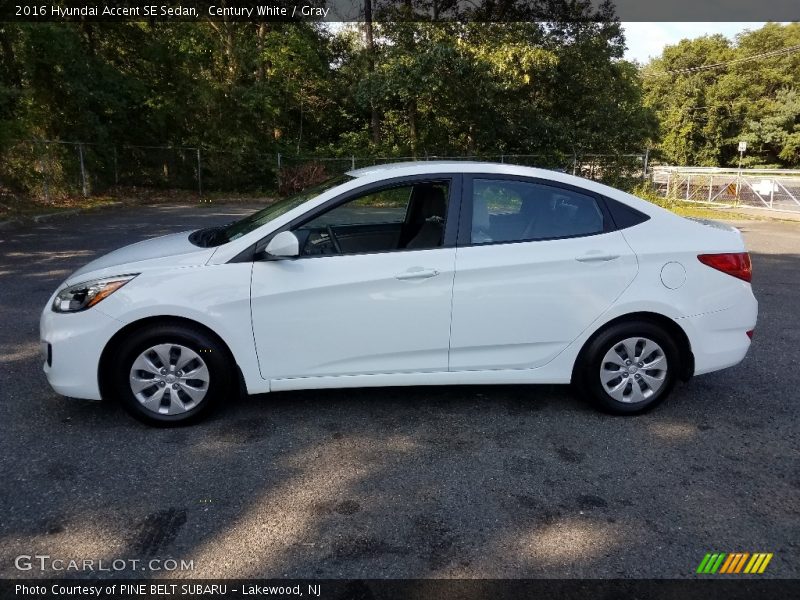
(169, 375)
(629, 368)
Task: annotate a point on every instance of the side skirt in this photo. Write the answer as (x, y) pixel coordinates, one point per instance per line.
(504, 376)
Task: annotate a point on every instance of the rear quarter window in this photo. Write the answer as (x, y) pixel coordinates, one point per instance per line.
(624, 216)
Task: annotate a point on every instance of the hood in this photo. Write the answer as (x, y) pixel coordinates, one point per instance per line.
(174, 250)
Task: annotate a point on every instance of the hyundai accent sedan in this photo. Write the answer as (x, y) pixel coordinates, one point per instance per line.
(411, 274)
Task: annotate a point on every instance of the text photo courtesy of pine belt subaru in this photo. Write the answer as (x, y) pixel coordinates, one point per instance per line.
(411, 274)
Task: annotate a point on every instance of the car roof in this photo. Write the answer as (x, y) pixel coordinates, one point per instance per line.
(422, 167)
(380, 172)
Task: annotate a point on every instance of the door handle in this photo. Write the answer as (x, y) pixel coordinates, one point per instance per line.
(597, 257)
(418, 274)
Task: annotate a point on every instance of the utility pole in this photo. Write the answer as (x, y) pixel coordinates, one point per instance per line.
(375, 124)
(83, 171)
(742, 149)
(199, 174)
(44, 169)
(644, 165)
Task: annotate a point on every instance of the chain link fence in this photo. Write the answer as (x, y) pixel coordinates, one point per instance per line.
(771, 189)
(53, 169)
(619, 170)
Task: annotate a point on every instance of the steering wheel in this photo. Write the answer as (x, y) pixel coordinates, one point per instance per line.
(334, 239)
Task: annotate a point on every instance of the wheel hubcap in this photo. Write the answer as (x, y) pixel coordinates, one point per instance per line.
(633, 370)
(169, 379)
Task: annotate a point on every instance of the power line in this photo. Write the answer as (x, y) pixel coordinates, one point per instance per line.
(769, 54)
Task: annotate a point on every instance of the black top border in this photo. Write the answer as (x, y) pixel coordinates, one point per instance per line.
(33, 11)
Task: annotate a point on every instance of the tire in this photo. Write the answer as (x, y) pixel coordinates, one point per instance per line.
(617, 383)
(174, 397)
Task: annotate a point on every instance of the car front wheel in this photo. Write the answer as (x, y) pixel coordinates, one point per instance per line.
(169, 375)
(629, 368)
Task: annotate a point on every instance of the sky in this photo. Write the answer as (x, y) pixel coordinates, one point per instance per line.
(646, 40)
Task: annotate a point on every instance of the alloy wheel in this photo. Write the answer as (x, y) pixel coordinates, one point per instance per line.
(633, 370)
(169, 379)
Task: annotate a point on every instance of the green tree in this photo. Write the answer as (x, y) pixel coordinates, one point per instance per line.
(709, 94)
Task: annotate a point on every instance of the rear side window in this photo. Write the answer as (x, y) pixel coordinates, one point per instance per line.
(519, 211)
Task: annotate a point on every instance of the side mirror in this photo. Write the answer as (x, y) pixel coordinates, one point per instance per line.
(283, 245)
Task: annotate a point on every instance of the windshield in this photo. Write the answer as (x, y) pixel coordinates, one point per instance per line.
(215, 236)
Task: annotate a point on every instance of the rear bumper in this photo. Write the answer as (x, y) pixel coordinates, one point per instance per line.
(719, 339)
(76, 342)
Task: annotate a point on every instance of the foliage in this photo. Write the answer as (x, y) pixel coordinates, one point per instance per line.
(645, 191)
(704, 113)
(689, 209)
(555, 86)
(292, 179)
(245, 89)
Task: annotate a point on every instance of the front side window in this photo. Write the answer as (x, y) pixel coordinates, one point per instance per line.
(519, 211)
(405, 217)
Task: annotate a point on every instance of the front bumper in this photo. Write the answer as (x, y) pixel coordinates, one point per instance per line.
(76, 342)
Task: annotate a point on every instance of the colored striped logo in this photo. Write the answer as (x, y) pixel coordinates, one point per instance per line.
(734, 563)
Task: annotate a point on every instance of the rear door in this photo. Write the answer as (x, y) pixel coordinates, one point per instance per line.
(536, 263)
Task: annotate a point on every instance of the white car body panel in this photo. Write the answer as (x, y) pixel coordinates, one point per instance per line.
(170, 251)
(713, 309)
(503, 313)
(223, 307)
(519, 305)
(77, 343)
(358, 314)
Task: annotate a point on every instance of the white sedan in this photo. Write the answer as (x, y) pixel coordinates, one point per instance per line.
(424, 273)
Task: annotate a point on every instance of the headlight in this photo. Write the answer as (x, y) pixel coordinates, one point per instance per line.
(85, 295)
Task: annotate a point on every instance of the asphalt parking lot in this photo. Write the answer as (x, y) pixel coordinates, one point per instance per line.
(508, 481)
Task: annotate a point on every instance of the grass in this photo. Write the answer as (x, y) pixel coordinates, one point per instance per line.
(14, 207)
(691, 209)
(704, 212)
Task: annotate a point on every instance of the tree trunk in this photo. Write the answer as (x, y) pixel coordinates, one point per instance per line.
(261, 70)
(230, 50)
(88, 31)
(412, 125)
(375, 123)
(8, 51)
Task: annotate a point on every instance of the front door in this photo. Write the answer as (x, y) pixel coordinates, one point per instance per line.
(371, 292)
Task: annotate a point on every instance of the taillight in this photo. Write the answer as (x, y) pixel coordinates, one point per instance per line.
(736, 264)
(750, 334)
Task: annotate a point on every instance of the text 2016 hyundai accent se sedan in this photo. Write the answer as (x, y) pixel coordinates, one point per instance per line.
(412, 274)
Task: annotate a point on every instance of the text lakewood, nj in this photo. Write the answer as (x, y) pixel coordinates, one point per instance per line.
(155, 10)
